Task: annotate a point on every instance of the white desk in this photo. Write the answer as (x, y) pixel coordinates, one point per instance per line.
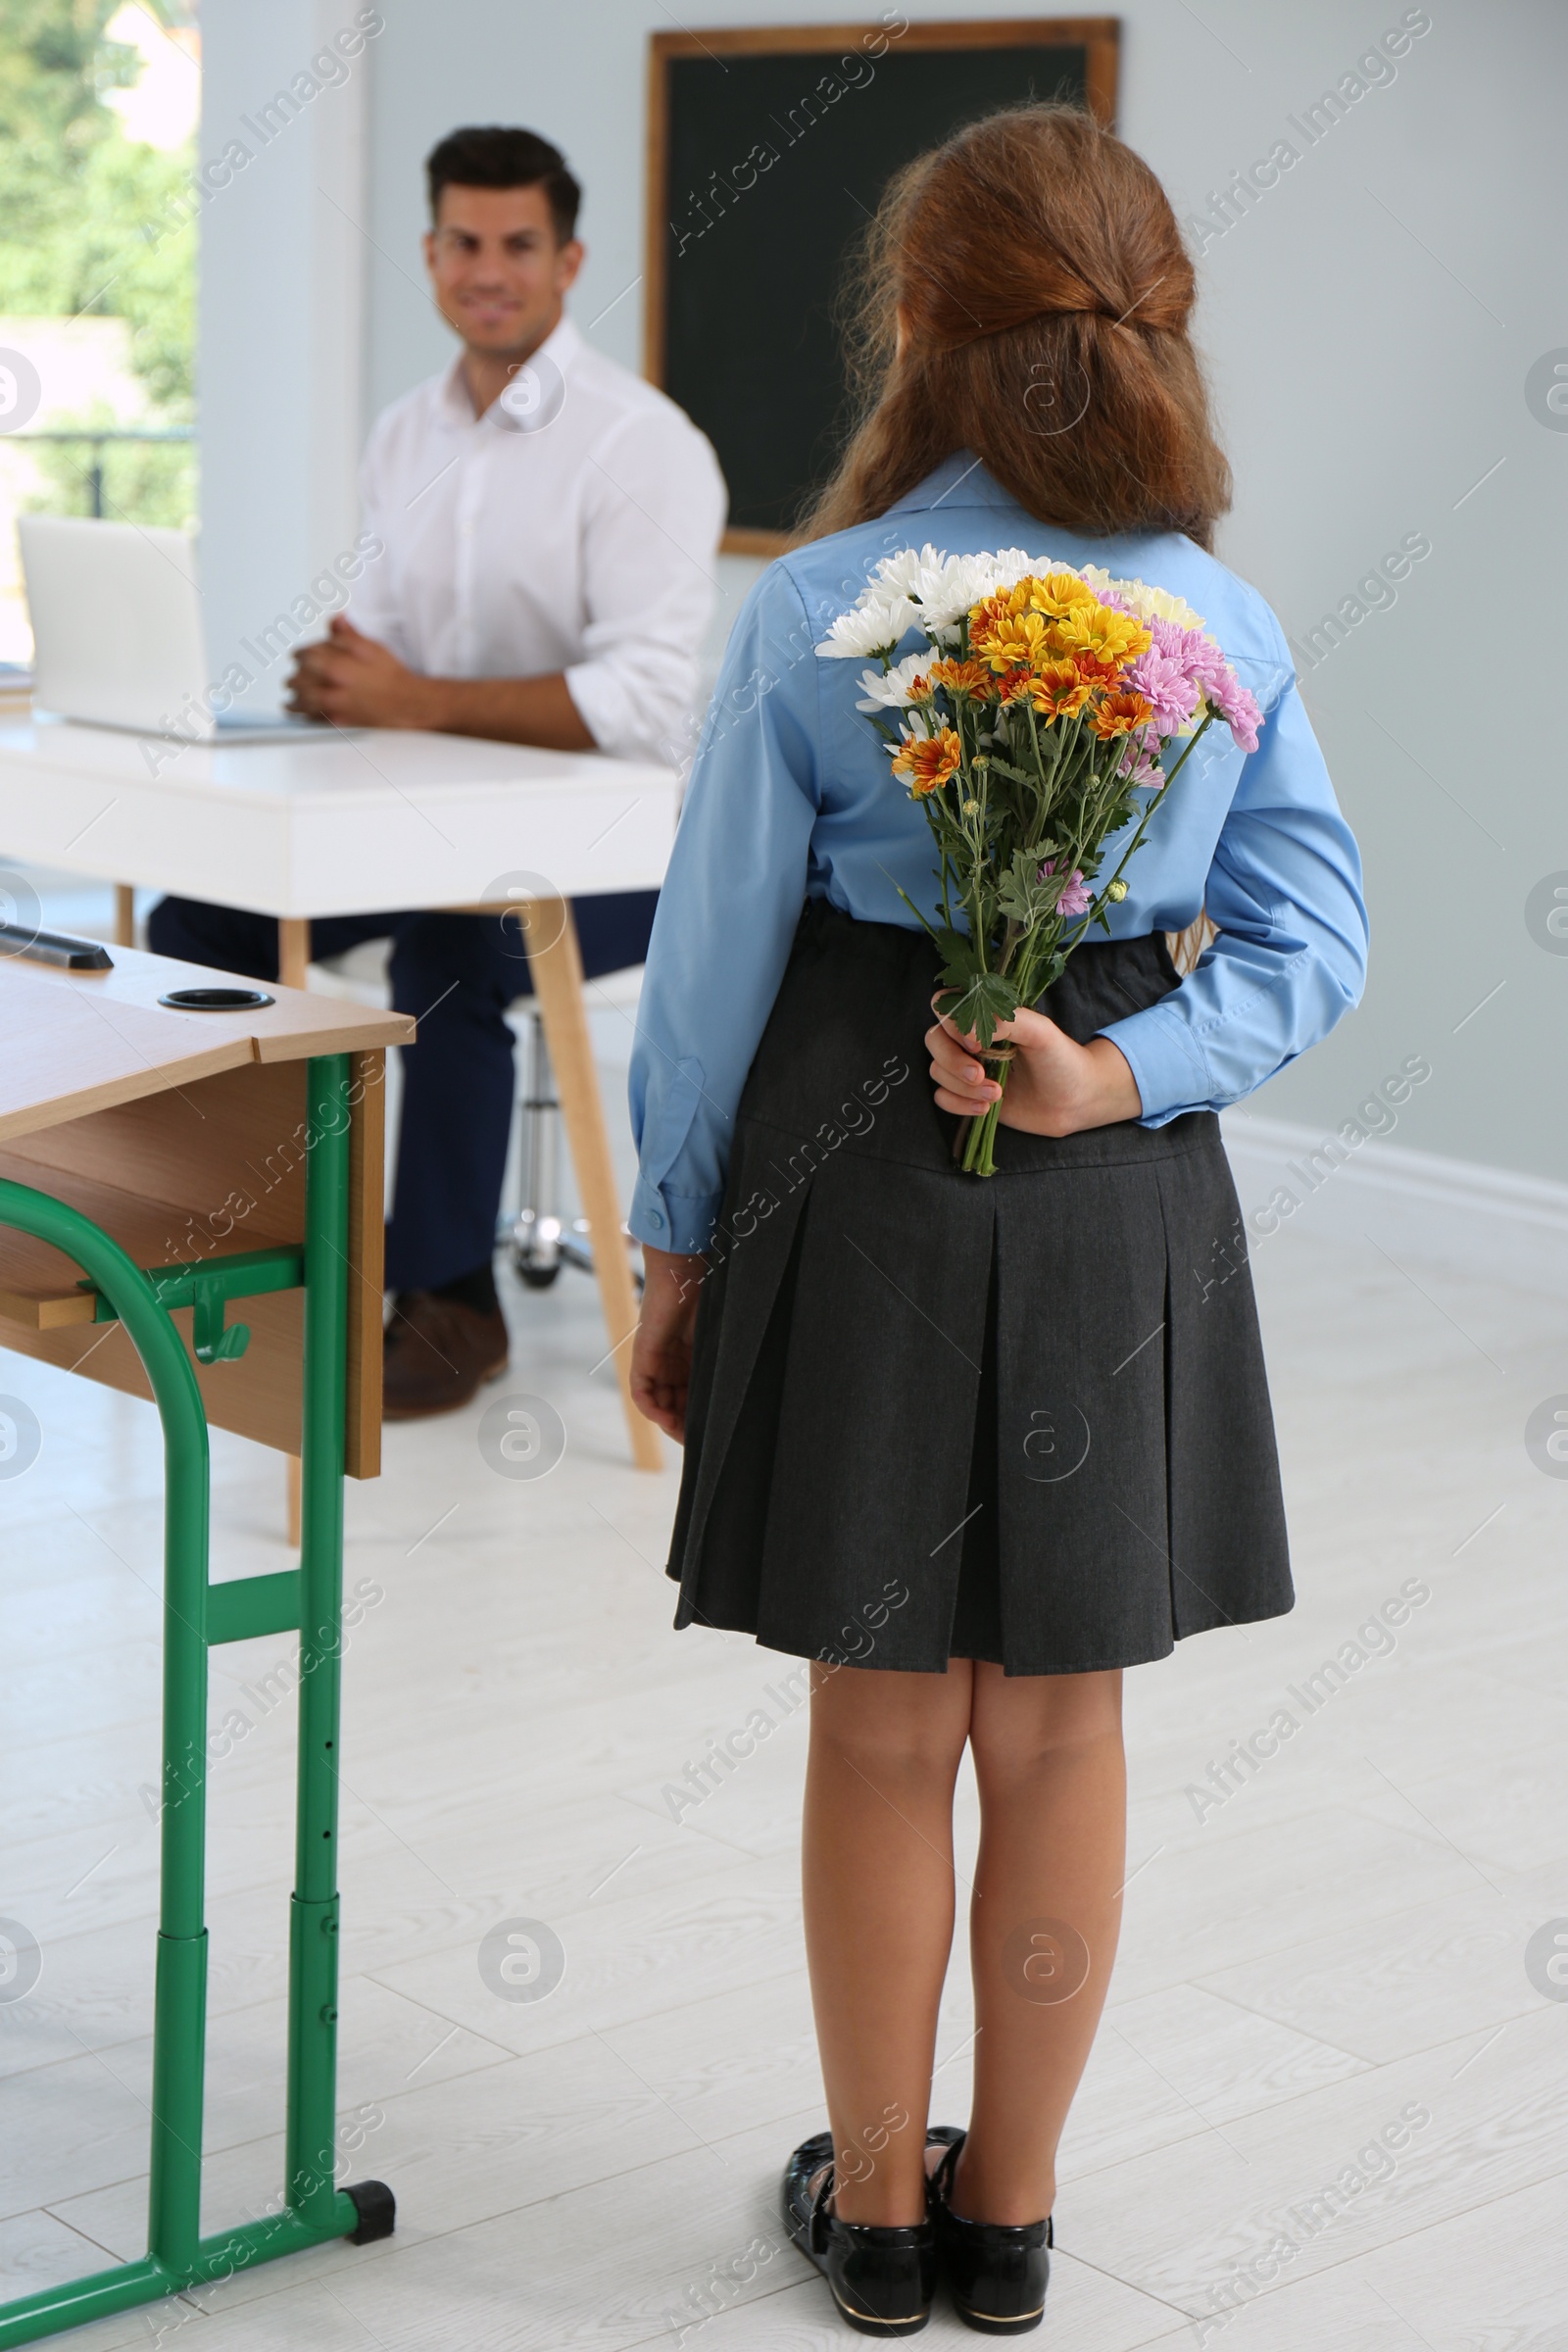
(352, 825)
(383, 819)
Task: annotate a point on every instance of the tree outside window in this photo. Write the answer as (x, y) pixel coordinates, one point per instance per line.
(98, 112)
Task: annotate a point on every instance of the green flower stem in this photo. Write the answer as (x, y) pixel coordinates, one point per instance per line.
(1157, 798)
(979, 1145)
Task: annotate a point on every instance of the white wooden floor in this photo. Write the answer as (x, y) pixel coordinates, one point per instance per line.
(1341, 1943)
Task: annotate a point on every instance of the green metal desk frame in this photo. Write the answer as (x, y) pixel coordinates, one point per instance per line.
(197, 1614)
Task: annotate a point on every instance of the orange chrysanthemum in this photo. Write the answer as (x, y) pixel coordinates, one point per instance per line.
(1061, 689)
(965, 678)
(1118, 714)
(1003, 603)
(928, 760)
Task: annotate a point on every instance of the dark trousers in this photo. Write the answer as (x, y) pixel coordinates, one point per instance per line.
(456, 974)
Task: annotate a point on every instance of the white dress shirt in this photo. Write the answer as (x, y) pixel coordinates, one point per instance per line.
(571, 527)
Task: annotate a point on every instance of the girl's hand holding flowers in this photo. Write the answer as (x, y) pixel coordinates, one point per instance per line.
(1055, 1086)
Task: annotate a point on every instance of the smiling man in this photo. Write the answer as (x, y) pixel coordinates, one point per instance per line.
(548, 524)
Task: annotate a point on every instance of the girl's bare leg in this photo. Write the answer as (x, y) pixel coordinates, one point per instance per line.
(1047, 1907)
(877, 1872)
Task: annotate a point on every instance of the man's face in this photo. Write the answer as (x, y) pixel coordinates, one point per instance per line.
(495, 271)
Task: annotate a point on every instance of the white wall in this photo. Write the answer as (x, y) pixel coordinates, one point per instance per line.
(282, 323)
(1369, 326)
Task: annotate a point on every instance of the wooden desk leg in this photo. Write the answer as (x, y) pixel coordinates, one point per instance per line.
(125, 915)
(555, 962)
(293, 951)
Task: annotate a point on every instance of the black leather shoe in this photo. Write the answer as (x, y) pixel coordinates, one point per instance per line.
(882, 2277)
(996, 2271)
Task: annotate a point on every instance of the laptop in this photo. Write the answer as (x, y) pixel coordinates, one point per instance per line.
(117, 636)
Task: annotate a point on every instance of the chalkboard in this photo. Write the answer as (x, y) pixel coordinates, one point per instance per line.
(768, 151)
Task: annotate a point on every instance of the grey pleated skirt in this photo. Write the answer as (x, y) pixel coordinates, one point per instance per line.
(933, 1415)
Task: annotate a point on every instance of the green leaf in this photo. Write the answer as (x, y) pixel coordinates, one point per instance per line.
(1020, 901)
(979, 1007)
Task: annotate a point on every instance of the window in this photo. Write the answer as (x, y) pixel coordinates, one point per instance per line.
(98, 113)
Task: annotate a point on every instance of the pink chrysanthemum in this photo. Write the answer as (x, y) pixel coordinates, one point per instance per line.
(1074, 898)
(1138, 761)
(1170, 639)
(1238, 709)
(1203, 662)
(1164, 682)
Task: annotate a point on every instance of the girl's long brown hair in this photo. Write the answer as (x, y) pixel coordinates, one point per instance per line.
(1046, 294)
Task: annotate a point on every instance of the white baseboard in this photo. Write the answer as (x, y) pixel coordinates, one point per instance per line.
(1454, 1213)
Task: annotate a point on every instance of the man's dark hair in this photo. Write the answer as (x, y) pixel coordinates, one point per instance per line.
(495, 156)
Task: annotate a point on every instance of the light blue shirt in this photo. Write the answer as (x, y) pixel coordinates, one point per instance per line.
(792, 796)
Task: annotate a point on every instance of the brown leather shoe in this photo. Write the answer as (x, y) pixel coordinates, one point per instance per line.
(436, 1354)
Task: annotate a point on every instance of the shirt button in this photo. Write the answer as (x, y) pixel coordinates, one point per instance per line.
(655, 1221)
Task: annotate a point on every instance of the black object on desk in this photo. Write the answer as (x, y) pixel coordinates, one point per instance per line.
(55, 947)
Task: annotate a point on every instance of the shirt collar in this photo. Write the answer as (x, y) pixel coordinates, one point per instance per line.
(543, 375)
(958, 482)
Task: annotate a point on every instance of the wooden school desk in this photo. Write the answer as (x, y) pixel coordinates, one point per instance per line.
(191, 1208)
(355, 824)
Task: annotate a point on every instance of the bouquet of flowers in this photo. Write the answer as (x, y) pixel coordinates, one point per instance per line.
(1033, 729)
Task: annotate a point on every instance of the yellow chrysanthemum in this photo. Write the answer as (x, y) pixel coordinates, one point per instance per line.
(1060, 593)
(1012, 600)
(1007, 639)
(1100, 630)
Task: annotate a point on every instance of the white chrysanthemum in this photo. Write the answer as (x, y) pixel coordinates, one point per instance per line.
(918, 727)
(1150, 603)
(872, 625)
(946, 593)
(890, 689)
(900, 573)
(1016, 564)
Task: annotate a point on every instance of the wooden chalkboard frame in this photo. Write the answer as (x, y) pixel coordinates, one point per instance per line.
(1098, 37)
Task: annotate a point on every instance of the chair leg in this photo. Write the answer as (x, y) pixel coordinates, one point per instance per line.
(557, 965)
(535, 1233)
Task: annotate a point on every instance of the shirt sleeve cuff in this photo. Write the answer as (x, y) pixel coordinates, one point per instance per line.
(679, 1221)
(1166, 1064)
(597, 701)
